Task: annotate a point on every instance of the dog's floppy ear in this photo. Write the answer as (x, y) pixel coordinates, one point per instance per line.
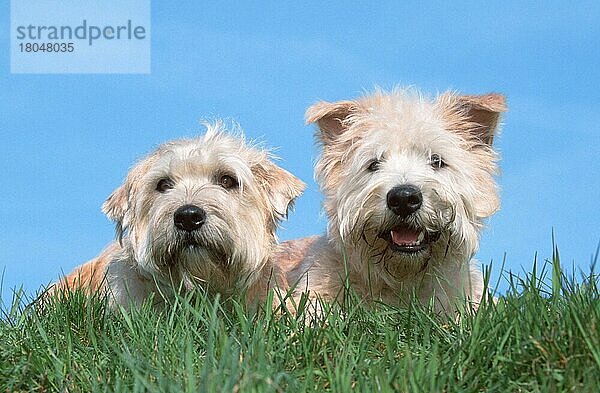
(116, 205)
(330, 117)
(483, 112)
(281, 187)
(478, 117)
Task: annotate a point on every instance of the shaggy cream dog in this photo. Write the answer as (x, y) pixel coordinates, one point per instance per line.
(408, 183)
(194, 213)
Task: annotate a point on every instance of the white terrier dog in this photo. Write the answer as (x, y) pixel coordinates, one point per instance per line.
(194, 213)
(407, 184)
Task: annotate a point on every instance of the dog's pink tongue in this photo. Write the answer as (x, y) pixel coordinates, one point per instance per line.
(404, 236)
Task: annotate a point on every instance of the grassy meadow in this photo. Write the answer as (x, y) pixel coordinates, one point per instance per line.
(543, 335)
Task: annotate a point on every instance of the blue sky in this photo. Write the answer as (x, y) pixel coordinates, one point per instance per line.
(68, 140)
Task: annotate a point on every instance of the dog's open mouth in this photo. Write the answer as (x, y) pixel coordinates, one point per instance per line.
(410, 240)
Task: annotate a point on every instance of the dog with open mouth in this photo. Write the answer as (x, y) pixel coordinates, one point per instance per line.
(195, 214)
(408, 183)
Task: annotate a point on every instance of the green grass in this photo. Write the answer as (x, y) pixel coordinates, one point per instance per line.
(542, 336)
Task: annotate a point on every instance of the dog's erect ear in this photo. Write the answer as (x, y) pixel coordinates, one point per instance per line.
(281, 187)
(330, 117)
(483, 112)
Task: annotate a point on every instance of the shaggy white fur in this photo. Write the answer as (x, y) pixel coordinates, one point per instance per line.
(242, 194)
(371, 146)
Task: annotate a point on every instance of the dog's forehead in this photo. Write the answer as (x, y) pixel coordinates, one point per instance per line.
(203, 156)
(203, 152)
(404, 124)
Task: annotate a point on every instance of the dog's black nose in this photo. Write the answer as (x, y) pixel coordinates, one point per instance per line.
(404, 200)
(189, 217)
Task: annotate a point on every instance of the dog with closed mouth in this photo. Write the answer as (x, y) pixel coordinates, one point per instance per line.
(408, 183)
(196, 213)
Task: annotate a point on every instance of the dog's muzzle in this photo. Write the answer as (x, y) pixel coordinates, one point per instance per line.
(409, 240)
(189, 218)
(404, 200)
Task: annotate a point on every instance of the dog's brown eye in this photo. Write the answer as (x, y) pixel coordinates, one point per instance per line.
(374, 166)
(436, 161)
(227, 182)
(164, 184)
